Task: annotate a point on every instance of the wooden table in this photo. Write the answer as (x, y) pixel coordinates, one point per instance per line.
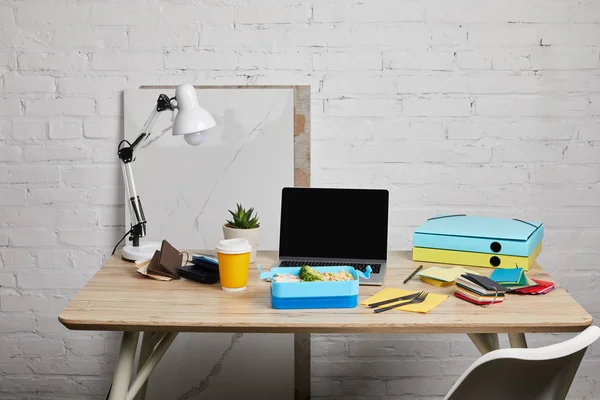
(117, 298)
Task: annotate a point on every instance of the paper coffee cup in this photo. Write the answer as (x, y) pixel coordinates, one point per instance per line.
(234, 260)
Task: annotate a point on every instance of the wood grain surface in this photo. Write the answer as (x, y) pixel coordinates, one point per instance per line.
(117, 298)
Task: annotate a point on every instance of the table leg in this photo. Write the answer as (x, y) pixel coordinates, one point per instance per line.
(151, 362)
(301, 366)
(517, 340)
(485, 342)
(145, 351)
(124, 366)
(493, 340)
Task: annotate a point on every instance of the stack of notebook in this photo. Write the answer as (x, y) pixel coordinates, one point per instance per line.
(479, 290)
(478, 241)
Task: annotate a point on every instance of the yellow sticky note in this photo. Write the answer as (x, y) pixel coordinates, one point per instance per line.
(435, 282)
(431, 301)
(444, 274)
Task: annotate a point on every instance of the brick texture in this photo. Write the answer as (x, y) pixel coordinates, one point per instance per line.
(481, 107)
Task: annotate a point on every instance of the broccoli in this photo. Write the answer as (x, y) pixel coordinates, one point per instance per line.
(308, 274)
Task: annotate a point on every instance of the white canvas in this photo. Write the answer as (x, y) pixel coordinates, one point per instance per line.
(247, 158)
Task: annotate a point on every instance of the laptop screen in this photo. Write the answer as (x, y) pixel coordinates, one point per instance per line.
(334, 223)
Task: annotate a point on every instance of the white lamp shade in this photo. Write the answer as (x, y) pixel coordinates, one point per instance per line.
(191, 120)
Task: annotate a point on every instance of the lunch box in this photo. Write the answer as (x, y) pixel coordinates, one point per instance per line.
(321, 294)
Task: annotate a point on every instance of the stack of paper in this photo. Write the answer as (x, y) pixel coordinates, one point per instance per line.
(479, 290)
(540, 287)
(442, 276)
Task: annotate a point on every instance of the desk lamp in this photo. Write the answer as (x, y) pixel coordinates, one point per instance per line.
(191, 121)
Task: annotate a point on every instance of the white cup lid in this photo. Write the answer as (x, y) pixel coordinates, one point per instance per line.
(234, 246)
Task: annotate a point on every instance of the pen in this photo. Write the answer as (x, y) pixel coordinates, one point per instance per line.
(413, 274)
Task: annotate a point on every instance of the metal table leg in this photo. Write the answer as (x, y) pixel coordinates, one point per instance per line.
(124, 366)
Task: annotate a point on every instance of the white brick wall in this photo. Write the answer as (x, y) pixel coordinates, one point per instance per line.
(471, 106)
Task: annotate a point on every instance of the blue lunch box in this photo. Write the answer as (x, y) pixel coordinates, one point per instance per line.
(323, 294)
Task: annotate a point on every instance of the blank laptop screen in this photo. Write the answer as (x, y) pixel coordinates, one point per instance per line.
(334, 223)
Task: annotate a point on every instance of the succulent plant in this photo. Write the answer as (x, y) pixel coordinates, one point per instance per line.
(243, 219)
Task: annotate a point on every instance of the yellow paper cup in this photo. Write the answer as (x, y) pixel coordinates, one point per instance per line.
(234, 260)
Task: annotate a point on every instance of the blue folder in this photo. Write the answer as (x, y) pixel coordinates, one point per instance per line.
(479, 234)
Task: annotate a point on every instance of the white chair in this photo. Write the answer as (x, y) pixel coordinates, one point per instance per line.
(545, 373)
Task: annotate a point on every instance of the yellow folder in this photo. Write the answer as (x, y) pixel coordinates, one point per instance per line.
(475, 259)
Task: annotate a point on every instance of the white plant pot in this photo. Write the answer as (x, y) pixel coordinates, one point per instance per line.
(250, 234)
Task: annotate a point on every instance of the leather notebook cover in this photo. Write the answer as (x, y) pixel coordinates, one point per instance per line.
(485, 282)
(166, 261)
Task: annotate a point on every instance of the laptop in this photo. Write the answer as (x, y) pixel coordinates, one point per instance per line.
(328, 227)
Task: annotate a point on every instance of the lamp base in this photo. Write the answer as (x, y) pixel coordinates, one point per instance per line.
(144, 251)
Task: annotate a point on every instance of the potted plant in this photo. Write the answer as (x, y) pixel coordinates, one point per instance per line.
(243, 225)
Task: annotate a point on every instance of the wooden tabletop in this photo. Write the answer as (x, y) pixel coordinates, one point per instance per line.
(117, 298)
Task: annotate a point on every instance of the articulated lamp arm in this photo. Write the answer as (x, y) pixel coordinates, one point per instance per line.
(125, 152)
(191, 122)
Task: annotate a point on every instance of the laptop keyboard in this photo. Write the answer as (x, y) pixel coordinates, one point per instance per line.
(361, 267)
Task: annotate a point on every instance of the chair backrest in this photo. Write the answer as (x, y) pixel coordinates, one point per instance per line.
(545, 373)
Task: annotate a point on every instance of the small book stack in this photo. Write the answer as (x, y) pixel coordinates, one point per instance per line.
(479, 290)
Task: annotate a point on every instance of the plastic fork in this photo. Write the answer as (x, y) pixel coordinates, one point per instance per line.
(419, 299)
